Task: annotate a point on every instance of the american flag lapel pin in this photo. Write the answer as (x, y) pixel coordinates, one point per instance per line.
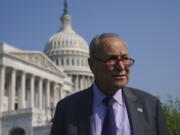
(139, 109)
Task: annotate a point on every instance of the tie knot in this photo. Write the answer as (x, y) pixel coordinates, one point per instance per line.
(108, 101)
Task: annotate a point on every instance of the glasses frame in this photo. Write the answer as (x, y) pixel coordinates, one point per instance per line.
(105, 61)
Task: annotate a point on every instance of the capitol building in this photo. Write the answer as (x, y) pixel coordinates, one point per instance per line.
(32, 82)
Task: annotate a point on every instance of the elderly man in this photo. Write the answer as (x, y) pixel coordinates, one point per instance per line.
(108, 107)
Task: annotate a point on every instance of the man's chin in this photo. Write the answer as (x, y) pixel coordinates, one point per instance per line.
(120, 84)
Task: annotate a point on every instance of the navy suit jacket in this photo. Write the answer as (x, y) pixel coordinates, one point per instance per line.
(73, 114)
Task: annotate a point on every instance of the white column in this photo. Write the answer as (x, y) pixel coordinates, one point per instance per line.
(55, 94)
(82, 82)
(79, 82)
(21, 100)
(64, 61)
(76, 82)
(12, 90)
(85, 81)
(32, 88)
(60, 63)
(60, 90)
(73, 62)
(2, 86)
(48, 98)
(70, 61)
(40, 92)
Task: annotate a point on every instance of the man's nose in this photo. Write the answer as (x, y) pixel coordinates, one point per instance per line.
(120, 65)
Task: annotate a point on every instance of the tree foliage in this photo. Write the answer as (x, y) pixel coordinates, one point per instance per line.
(171, 111)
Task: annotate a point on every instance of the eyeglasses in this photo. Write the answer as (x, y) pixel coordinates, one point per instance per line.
(113, 60)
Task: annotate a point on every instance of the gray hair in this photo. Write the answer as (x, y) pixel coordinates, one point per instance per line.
(95, 41)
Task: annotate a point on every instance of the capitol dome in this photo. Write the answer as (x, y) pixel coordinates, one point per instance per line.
(66, 38)
(70, 51)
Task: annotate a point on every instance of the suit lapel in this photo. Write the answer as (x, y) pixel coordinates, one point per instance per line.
(85, 113)
(135, 112)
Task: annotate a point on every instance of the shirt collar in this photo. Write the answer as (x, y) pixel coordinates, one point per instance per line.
(99, 96)
(118, 97)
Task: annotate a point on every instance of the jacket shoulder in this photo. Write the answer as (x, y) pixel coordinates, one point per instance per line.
(142, 95)
(75, 97)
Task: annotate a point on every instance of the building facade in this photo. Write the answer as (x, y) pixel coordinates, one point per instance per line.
(32, 82)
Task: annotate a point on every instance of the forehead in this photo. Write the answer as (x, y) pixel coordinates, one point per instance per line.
(112, 46)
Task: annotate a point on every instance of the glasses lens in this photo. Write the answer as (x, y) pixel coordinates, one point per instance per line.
(128, 62)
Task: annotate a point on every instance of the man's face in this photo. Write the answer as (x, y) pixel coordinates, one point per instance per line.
(110, 78)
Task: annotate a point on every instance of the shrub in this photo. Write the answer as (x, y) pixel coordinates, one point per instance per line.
(171, 111)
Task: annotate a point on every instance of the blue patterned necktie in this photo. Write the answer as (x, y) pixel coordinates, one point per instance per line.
(109, 125)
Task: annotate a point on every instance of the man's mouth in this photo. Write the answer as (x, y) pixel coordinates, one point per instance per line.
(123, 76)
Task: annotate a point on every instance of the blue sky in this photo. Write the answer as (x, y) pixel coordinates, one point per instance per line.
(150, 27)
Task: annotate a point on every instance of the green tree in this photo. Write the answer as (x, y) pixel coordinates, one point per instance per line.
(171, 111)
